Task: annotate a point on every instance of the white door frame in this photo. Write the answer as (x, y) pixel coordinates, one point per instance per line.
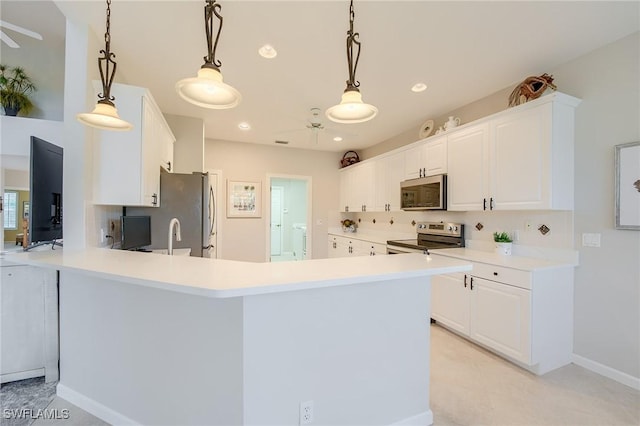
(267, 190)
(281, 229)
(219, 198)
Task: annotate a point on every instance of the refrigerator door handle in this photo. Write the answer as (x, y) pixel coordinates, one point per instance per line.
(212, 211)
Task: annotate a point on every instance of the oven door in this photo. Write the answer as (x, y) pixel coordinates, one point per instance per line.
(391, 249)
(428, 193)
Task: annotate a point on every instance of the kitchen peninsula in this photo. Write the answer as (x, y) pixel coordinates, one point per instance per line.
(152, 339)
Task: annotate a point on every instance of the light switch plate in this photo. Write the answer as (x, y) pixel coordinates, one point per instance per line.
(590, 240)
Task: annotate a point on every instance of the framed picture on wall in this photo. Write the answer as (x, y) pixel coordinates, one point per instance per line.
(627, 160)
(243, 199)
(25, 210)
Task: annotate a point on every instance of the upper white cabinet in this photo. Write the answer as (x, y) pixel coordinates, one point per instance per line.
(426, 158)
(468, 177)
(127, 164)
(357, 187)
(519, 159)
(389, 172)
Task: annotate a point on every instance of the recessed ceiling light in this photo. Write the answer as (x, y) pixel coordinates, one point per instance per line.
(244, 126)
(337, 139)
(268, 51)
(419, 87)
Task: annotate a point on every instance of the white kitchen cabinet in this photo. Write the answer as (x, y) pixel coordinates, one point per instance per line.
(340, 246)
(468, 166)
(357, 187)
(427, 157)
(450, 301)
(127, 164)
(415, 161)
(520, 159)
(29, 323)
(389, 172)
(525, 316)
(500, 318)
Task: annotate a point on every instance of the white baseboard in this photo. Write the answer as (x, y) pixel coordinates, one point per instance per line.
(422, 419)
(611, 373)
(12, 377)
(89, 405)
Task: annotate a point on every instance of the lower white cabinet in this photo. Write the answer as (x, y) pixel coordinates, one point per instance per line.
(339, 246)
(29, 323)
(500, 318)
(526, 316)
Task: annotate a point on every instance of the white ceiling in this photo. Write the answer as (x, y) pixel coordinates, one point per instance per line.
(462, 50)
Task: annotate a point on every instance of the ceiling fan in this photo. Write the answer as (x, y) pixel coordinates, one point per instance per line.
(316, 126)
(9, 41)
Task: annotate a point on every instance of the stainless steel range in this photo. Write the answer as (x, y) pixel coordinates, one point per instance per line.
(431, 235)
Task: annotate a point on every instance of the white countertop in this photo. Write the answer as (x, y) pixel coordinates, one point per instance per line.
(515, 262)
(226, 278)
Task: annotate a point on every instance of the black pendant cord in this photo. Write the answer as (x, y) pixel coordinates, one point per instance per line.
(352, 39)
(212, 8)
(104, 64)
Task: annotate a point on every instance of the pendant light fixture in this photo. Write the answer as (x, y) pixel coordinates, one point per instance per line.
(207, 90)
(105, 115)
(351, 109)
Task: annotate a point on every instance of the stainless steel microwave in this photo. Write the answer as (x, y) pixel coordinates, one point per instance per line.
(428, 193)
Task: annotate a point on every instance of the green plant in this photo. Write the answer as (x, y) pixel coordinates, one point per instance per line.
(501, 237)
(15, 86)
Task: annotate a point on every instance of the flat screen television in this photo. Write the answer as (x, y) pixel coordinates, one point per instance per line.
(135, 232)
(45, 191)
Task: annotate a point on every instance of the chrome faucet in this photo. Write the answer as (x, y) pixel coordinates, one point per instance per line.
(174, 222)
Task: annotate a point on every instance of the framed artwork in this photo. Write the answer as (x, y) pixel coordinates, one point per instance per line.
(628, 186)
(243, 199)
(25, 210)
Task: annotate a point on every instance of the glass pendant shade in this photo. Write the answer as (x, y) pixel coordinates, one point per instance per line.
(207, 90)
(104, 117)
(351, 109)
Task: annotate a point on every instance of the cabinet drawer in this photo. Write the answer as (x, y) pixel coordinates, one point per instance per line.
(500, 274)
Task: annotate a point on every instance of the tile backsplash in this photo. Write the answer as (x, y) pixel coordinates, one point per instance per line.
(522, 225)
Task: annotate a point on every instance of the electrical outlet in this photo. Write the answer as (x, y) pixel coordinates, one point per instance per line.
(516, 236)
(102, 235)
(306, 413)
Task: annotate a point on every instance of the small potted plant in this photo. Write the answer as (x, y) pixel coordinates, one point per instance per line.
(503, 243)
(15, 86)
(348, 225)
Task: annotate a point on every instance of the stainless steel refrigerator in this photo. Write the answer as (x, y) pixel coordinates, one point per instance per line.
(190, 198)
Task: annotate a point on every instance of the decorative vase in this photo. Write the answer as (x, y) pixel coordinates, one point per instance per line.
(10, 111)
(504, 248)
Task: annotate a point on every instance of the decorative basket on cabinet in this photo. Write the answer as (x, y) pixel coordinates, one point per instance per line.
(349, 158)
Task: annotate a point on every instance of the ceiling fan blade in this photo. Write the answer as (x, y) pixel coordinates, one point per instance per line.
(20, 30)
(8, 40)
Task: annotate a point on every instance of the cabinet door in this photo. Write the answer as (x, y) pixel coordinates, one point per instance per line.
(501, 318)
(364, 187)
(436, 156)
(389, 172)
(332, 247)
(520, 159)
(450, 301)
(346, 179)
(468, 169)
(23, 320)
(415, 161)
(151, 153)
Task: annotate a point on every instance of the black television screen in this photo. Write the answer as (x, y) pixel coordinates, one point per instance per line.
(45, 191)
(136, 232)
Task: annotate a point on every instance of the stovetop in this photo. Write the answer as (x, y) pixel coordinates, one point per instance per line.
(422, 245)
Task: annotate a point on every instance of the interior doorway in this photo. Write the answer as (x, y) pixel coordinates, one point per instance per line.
(289, 218)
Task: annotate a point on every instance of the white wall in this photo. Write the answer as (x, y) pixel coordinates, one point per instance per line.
(607, 282)
(16, 179)
(188, 149)
(245, 239)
